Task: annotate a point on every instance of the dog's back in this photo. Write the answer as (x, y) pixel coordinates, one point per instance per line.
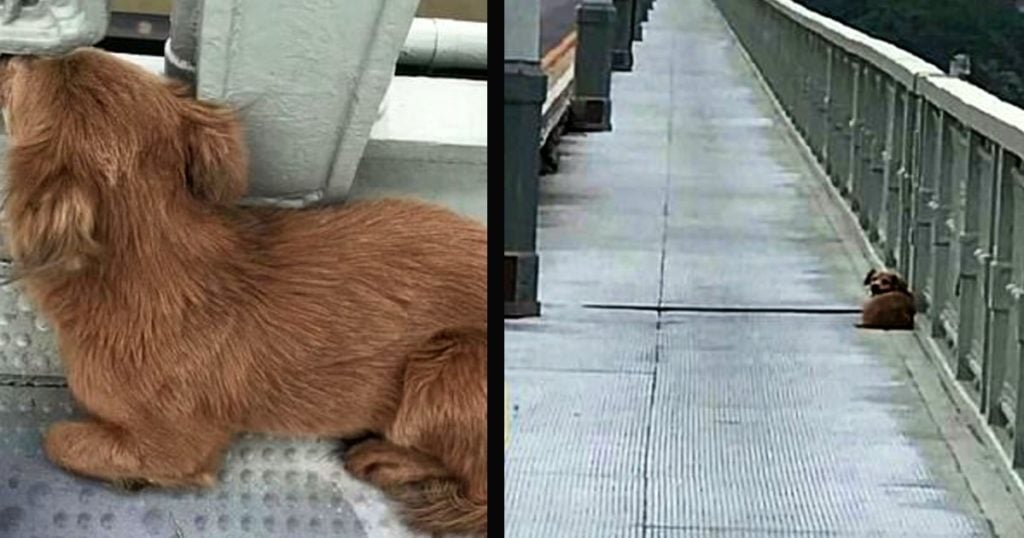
(396, 254)
(363, 288)
(890, 310)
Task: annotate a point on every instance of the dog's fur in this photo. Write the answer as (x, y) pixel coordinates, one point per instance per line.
(183, 320)
(891, 305)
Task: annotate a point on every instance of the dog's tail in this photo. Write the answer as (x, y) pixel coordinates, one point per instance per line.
(444, 413)
(439, 506)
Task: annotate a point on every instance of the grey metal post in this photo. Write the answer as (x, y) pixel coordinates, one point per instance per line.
(180, 50)
(591, 104)
(638, 12)
(525, 90)
(622, 47)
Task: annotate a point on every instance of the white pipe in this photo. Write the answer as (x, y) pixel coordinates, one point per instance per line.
(445, 43)
(431, 43)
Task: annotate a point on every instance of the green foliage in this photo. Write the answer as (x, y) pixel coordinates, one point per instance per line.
(990, 31)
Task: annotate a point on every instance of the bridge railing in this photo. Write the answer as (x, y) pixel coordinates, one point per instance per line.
(932, 167)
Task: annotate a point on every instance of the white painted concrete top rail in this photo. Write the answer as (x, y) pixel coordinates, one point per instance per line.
(987, 114)
(898, 63)
(998, 120)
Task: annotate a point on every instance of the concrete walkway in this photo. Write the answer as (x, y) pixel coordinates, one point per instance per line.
(696, 371)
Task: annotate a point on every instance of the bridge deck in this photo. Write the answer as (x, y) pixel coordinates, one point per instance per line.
(733, 397)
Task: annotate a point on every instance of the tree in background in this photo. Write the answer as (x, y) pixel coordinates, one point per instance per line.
(991, 32)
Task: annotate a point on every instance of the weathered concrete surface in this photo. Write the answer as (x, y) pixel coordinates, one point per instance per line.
(309, 73)
(741, 422)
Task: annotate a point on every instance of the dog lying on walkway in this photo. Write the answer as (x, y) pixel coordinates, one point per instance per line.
(183, 320)
(891, 305)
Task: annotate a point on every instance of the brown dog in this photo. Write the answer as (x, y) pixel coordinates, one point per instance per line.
(182, 320)
(891, 305)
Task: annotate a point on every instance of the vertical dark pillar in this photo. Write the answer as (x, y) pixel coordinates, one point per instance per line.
(638, 14)
(525, 90)
(622, 46)
(591, 104)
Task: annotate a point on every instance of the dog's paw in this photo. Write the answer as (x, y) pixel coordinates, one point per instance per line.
(60, 439)
(362, 460)
(94, 449)
(200, 480)
(195, 481)
(386, 465)
(87, 448)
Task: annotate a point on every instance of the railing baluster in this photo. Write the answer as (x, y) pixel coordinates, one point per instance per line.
(972, 255)
(924, 189)
(908, 160)
(998, 300)
(853, 179)
(1017, 353)
(941, 234)
(889, 212)
(827, 113)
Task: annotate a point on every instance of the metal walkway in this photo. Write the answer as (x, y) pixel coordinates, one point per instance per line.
(695, 371)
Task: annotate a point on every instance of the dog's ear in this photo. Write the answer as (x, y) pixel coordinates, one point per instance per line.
(217, 158)
(55, 211)
(870, 275)
(900, 283)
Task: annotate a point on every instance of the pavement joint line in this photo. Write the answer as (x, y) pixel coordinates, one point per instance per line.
(30, 381)
(599, 371)
(665, 203)
(746, 529)
(810, 310)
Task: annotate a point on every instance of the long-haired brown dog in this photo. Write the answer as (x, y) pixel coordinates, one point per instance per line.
(182, 320)
(891, 305)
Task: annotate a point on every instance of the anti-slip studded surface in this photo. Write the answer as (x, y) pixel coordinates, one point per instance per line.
(269, 487)
(27, 346)
(732, 423)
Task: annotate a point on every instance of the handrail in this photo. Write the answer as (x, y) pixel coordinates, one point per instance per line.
(976, 108)
(898, 63)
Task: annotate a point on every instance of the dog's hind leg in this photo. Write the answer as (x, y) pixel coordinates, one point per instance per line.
(442, 418)
(161, 456)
